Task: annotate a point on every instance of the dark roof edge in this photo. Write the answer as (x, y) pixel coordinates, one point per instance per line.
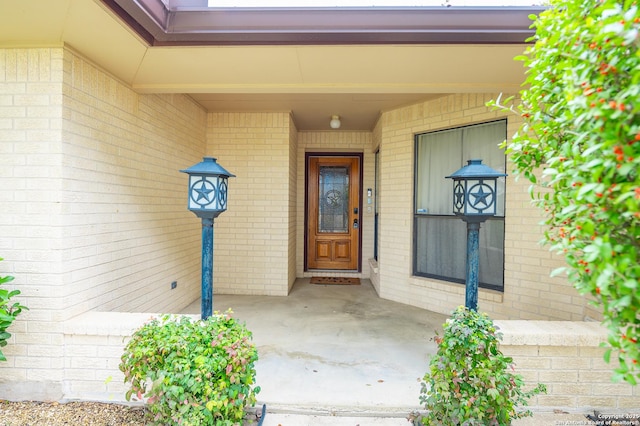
(183, 26)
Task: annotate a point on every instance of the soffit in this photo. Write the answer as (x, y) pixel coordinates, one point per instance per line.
(312, 81)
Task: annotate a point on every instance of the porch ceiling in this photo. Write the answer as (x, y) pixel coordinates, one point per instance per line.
(356, 80)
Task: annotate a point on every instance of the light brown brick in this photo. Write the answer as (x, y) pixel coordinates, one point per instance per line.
(570, 389)
(597, 402)
(571, 363)
(556, 401)
(554, 376)
(613, 389)
(559, 351)
(631, 403)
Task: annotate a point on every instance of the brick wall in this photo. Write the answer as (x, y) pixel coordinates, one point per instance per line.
(253, 237)
(94, 207)
(529, 291)
(566, 356)
(94, 343)
(128, 233)
(31, 229)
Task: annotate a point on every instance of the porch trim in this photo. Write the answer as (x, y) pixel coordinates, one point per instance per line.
(184, 22)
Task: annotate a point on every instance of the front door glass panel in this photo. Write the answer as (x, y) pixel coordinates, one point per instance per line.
(333, 199)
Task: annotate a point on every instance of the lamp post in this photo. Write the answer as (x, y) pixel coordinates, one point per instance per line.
(474, 200)
(207, 199)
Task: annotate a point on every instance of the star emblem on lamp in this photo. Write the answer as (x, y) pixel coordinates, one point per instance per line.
(482, 195)
(201, 192)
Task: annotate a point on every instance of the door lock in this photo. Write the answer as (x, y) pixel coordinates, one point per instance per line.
(355, 223)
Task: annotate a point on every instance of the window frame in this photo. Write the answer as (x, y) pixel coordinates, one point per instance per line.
(420, 215)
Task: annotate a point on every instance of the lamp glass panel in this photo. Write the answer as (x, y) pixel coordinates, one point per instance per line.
(203, 193)
(459, 196)
(481, 196)
(222, 193)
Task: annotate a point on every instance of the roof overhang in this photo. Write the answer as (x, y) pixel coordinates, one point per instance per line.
(313, 63)
(190, 22)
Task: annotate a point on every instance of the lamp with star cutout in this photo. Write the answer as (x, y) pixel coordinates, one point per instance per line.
(474, 189)
(207, 188)
(474, 200)
(207, 199)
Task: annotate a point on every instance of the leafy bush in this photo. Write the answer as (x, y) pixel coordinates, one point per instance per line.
(581, 140)
(193, 372)
(8, 312)
(470, 382)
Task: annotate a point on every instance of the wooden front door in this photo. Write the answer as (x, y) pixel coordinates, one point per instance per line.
(333, 212)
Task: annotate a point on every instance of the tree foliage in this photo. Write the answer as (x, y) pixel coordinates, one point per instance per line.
(580, 139)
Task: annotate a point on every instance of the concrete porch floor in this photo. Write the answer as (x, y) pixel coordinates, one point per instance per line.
(340, 355)
(336, 349)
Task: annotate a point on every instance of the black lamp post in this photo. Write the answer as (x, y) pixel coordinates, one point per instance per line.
(474, 200)
(207, 199)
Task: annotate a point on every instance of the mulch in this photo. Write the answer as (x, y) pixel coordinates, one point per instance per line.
(31, 413)
(34, 413)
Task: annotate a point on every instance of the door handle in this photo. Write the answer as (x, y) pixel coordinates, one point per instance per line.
(355, 223)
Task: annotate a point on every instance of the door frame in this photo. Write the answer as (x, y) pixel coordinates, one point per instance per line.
(307, 156)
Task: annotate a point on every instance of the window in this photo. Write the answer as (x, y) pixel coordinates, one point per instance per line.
(440, 237)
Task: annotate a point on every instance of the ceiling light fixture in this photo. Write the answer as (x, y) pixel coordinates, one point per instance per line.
(335, 122)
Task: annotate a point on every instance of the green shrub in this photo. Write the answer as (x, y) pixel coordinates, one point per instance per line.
(470, 381)
(579, 144)
(193, 372)
(8, 312)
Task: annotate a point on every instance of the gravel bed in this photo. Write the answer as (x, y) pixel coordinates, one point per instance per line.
(33, 413)
(72, 413)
